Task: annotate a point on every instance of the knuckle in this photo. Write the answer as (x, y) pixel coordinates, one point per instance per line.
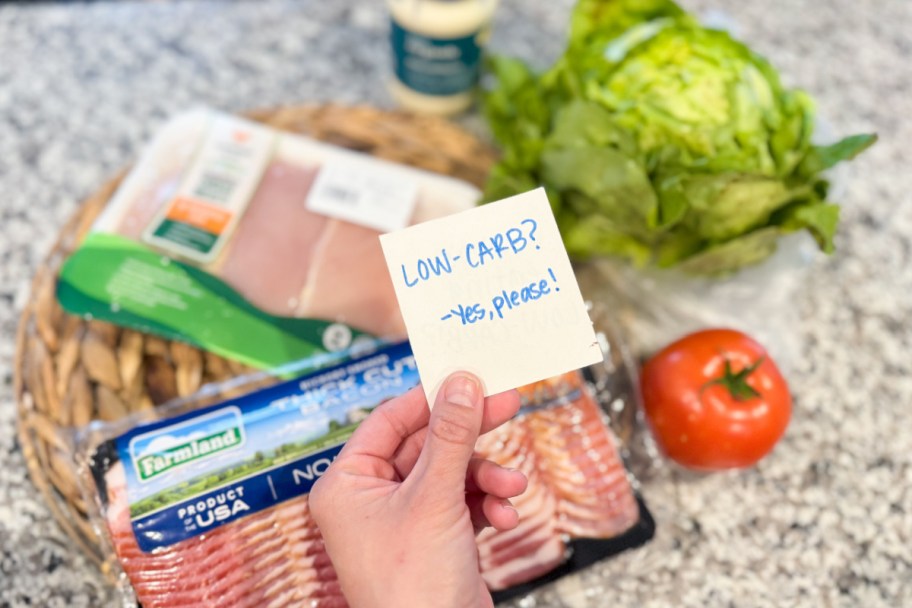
(317, 499)
(480, 469)
(453, 430)
(399, 426)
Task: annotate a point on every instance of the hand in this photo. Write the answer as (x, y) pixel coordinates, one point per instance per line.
(400, 506)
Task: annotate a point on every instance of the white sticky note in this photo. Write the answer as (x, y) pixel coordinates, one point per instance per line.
(363, 193)
(491, 291)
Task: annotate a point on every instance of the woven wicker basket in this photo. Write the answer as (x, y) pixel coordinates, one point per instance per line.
(70, 371)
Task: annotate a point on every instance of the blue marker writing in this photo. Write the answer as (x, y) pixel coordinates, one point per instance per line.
(532, 231)
(427, 267)
(503, 302)
(468, 314)
(516, 297)
(476, 254)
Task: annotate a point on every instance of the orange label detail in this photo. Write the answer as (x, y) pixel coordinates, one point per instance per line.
(199, 214)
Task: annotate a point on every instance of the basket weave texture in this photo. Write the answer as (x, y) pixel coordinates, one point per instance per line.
(70, 371)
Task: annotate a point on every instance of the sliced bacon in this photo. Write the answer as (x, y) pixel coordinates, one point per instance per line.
(275, 557)
(577, 487)
(583, 466)
(546, 558)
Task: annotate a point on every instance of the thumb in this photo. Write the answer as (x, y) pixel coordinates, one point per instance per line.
(452, 431)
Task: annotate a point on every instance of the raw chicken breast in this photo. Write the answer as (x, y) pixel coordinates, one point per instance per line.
(351, 283)
(274, 248)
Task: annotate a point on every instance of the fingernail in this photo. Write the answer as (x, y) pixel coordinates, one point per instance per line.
(462, 390)
(506, 505)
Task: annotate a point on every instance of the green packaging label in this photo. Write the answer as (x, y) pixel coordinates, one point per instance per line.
(112, 278)
(215, 190)
(150, 466)
(435, 66)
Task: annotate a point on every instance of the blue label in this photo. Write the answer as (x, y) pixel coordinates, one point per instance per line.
(190, 474)
(435, 66)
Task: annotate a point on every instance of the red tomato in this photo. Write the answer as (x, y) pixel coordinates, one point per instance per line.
(715, 400)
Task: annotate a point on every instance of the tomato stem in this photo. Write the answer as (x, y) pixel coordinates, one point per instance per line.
(736, 383)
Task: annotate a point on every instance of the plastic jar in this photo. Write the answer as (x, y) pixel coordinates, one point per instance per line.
(436, 47)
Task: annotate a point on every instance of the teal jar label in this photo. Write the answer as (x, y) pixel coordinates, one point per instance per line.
(435, 66)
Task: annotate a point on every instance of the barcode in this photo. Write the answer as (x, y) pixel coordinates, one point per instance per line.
(215, 187)
(340, 193)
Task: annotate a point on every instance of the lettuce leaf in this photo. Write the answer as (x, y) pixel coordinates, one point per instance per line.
(662, 141)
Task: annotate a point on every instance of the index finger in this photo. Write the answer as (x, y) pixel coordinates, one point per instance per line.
(498, 409)
(394, 422)
(391, 423)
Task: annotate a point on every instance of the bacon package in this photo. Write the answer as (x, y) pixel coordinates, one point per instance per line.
(208, 505)
(252, 243)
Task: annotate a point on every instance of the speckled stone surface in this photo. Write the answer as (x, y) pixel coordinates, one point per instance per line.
(825, 521)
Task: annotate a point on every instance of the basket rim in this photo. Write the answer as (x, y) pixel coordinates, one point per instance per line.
(36, 472)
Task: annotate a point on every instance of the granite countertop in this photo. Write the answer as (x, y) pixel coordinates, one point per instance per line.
(826, 521)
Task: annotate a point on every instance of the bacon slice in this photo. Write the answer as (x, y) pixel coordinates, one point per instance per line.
(578, 487)
(582, 464)
(536, 546)
(275, 557)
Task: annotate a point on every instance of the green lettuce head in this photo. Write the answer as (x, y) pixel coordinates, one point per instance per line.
(663, 141)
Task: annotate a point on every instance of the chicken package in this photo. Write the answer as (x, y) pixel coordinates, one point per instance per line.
(208, 506)
(255, 244)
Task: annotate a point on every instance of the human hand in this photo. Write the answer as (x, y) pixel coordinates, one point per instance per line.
(400, 506)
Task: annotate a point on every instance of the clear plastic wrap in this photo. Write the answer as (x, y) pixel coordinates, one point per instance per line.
(655, 306)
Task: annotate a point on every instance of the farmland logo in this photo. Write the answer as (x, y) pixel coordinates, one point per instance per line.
(175, 446)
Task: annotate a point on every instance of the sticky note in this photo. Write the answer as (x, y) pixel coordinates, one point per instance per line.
(491, 291)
